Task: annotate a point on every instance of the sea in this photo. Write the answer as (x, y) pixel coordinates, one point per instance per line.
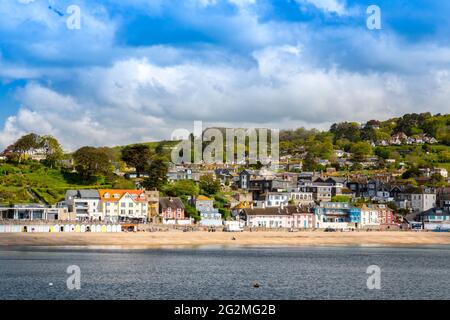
(225, 273)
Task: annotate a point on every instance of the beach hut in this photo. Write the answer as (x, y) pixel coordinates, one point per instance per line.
(98, 228)
(2, 229)
(66, 228)
(82, 228)
(108, 228)
(103, 228)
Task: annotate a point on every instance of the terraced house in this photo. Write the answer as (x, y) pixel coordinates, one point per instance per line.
(123, 205)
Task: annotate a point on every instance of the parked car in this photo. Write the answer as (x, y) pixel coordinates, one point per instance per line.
(330, 230)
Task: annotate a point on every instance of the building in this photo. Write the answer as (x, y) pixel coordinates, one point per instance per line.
(443, 198)
(32, 212)
(123, 205)
(85, 203)
(416, 199)
(336, 215)
(370, 217)
(153, 204)
(275, 199)
(209, 216)
(301, 197)
(435, 219)
(322, 189)
(423, 199)
(171, 210)
(278, 217)
(386, 215)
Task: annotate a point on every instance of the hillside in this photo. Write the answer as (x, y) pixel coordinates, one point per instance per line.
(35, 183)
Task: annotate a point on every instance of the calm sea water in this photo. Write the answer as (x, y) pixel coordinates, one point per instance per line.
(224, 273)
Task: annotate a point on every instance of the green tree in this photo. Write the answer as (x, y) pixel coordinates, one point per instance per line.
(346, 130)
(209, 185)
(52, 150)
(361, 150)
(90, 161)
(24, 145)
(157, 174)
(182, 188)
(137, 156)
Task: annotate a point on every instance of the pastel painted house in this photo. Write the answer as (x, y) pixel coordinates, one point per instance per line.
(123, 205)
(209, 216)
(370, 218)
(278, 217)
(171, 211)
(336, 215)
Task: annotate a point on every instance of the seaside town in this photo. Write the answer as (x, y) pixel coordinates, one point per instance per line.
(325, 181)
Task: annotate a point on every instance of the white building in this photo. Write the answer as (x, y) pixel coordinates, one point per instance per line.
(423, 199)
(301, 197)
(84, 203)
(123, 205)
(369, 217)
(275, 199)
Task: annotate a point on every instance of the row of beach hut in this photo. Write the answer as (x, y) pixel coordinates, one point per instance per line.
(78, 228)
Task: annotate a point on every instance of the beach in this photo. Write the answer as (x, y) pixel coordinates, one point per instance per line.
(201, 238)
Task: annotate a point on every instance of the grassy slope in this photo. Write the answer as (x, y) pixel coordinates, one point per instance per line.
(33, 183)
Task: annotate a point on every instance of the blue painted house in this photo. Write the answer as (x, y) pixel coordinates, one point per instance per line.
(209, 216)
(337, 215)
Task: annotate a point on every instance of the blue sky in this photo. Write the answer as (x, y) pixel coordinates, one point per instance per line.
(138, 69)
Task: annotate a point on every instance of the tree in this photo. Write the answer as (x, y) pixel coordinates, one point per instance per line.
(26, 144)
(209, 185)
(157, 174)
(137, 156)
(182, 188)
(90, 161)
(52, 150)
(309, 163)
(346, 130)
(361, 150)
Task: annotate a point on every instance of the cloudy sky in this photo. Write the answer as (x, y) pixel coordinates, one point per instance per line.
(138, 69)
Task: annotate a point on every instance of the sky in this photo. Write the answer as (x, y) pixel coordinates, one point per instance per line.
(136, 70)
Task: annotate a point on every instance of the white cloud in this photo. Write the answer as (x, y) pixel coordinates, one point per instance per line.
(336, 6)
(135, 100)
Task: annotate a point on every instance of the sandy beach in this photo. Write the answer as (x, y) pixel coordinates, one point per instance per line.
(174, 238)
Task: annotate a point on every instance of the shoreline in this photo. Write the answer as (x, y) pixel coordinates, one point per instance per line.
(142, 240)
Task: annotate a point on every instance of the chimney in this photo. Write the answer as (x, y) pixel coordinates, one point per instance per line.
(282, 206)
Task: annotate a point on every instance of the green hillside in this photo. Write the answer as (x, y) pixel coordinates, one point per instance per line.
(32, 182)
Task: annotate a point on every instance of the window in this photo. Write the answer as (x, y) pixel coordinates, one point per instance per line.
(123, 204)
(130, 205)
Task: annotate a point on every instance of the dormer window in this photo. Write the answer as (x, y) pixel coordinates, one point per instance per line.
(116, 196)
(106, 195)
